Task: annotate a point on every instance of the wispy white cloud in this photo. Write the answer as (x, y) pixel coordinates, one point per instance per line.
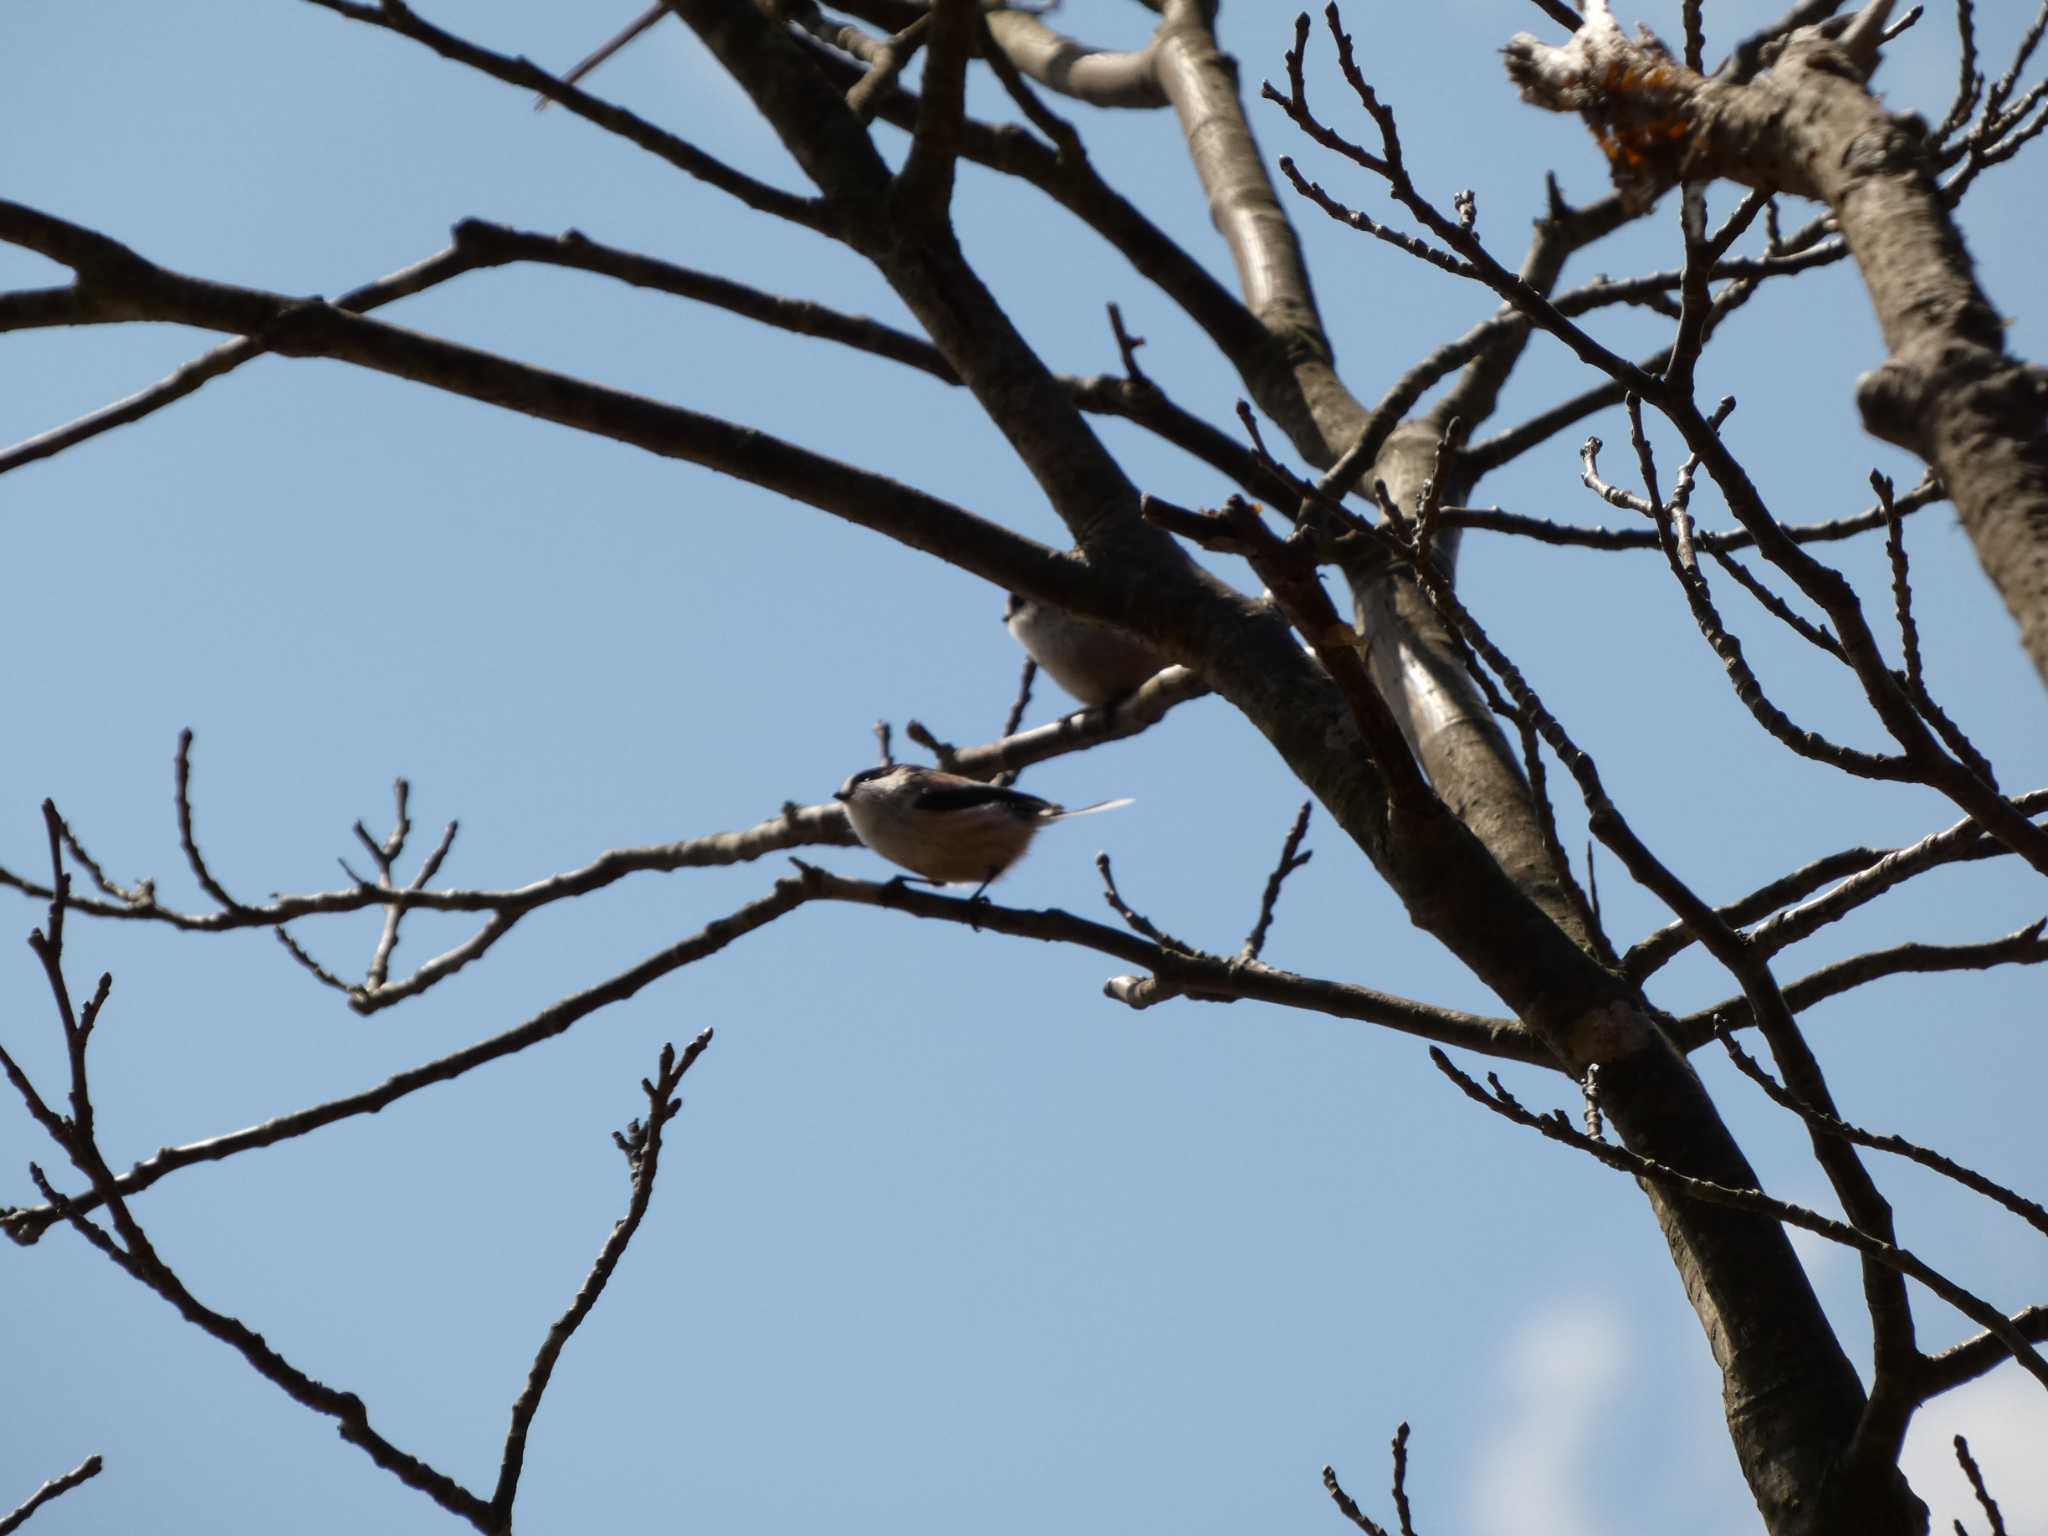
(1560, 1374)
(2005, 1419)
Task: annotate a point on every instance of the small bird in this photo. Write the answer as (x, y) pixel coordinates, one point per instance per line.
(947, 828)
(1096, 664)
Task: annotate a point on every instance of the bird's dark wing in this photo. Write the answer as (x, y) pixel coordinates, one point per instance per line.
(971, 797)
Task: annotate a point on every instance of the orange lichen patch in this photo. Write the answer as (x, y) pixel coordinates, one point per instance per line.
(1642, 72)
(1638, 144)
(1641, 112)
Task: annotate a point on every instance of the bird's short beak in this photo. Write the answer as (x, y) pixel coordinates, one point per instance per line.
(841, 795)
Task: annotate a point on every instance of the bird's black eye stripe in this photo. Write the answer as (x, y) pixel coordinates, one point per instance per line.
(868, 773)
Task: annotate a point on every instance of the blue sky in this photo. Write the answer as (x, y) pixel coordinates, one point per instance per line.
(942, 1235)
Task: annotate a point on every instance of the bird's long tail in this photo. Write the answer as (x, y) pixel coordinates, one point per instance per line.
(1089, 810)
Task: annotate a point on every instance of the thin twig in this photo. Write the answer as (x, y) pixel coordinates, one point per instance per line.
(1025, 679)
(1969, 80)
(384, 855)
(131, 1250)
(1902, 586)
(1127, 346)
(434, 270)
(1291, 859)
(1400, 1452)
(1048, 122)
(1139, 923)
(605, 50)
(944, 751)
(140, 892)
(1558, 1127)
(1963, 840)
(25, 1226)
(524, 74)
(186, 840)
(1695, 38)
(1976, 1356)
(2027, 1210)
(1816, 635)
(1348, 1506)
(1969, 1465)
(2023, 947)
(56, 1487)
(1864, 873)
(319, 972)
(1545, 531)
(641, 1142)
(1749, 689)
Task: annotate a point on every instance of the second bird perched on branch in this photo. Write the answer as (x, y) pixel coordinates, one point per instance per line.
(1096, 664)
(947, 828)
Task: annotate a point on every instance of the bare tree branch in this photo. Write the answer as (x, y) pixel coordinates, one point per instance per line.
(641, 1142)
(1978, 1356)
(1291, 859)
(2024, 947)
(312, 328)
(1870, 873)
(1177, 973)
(1348, 1506)
(434, 270)
(28, 1224)
(1097, 76)
(1558, 1127)
(1970, 1470)
(395, 16)
(1948, 391)
(923, 191)
(1708, 541)
(131, 1250)
(2029, 1211)
(56, 1487)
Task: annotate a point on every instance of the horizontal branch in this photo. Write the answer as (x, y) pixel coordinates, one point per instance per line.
(1870, 872)
(1544, 531)
(796, 827)
(2024, 947)
(1200, 977)
(479, 244)
(417, 278)
(1977, 1356)
(27, 1224)
(137, 289)
(498, 243)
